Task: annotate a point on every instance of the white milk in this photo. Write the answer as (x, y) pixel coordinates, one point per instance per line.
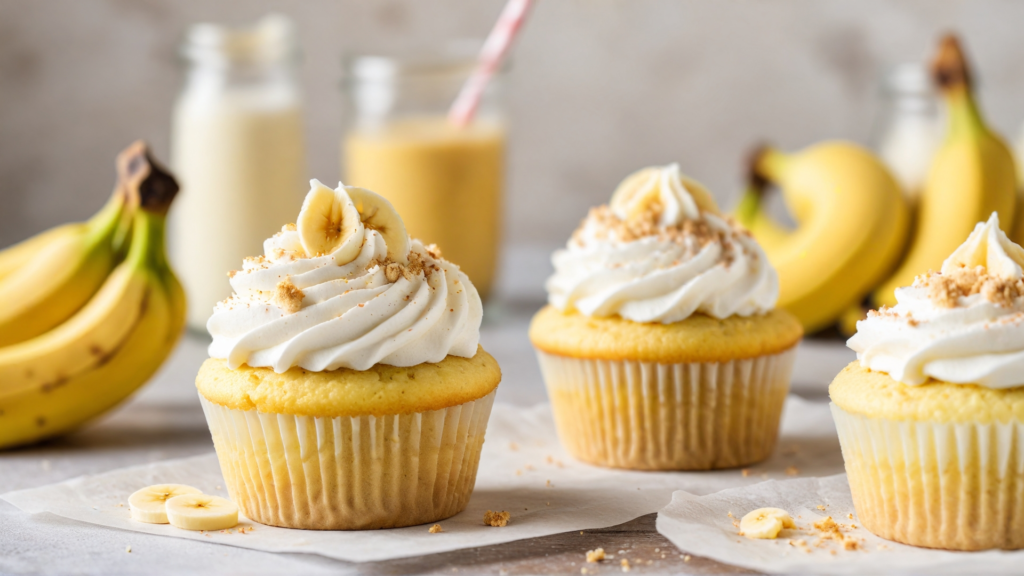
(238, 153)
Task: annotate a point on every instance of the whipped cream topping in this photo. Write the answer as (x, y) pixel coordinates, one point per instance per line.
(660, 253)
(324, 312)
(964, 324)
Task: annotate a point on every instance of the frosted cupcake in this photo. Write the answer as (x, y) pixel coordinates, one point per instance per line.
(346, 388)
(660, 347)
(931, 415)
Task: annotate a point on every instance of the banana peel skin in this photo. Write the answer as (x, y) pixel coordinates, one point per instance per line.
(62, 378)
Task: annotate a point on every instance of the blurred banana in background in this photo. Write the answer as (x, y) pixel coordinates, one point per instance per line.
(971, 176)
(853, 244)
(121, 309)
(851, 225)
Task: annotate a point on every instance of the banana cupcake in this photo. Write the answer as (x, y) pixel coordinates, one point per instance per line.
(660, 347)
(346, 388)
(931, 415)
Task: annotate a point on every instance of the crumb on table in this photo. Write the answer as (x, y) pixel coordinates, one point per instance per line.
(496, 519)
(435, 529)
(596, 555)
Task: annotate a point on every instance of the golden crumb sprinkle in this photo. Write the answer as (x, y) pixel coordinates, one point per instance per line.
(496, 519)
(945, 290)
(625, 565)
(434, 251)
(291, 227)
(435, 529)
(393, 271)
(693, 234)
(288, 297)
(594, 556)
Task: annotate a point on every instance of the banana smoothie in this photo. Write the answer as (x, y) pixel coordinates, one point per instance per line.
(445, 180)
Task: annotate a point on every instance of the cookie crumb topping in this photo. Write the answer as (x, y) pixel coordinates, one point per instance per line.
(288, 297)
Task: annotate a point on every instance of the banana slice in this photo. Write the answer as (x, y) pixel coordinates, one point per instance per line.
(201, 512)
(329, 224)
(378, 214)
(148, 504)
(661, 184)
(765, 523)
(635, 193)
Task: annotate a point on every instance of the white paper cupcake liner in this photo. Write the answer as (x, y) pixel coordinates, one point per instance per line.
(350, 473)
(958, 486)
(650, 416)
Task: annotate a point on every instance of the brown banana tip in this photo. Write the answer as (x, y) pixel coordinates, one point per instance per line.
(755, 179)
(949, 68)
(144, 180)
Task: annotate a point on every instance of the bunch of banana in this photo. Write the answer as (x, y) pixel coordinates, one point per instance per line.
(971, 176)
(94, 309)
(851, 224)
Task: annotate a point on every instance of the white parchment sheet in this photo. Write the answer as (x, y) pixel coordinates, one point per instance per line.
(523, 470)
(702, 525)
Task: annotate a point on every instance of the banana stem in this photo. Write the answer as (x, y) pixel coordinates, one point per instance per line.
(147, 246)
(749, 205)
(146, 183)
(103, 225)
(769, 164)
(951, 74)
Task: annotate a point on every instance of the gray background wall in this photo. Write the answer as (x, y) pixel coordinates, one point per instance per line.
(599, 88)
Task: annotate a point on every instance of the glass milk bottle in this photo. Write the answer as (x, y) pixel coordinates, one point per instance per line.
(445, 181)
(910, 131)
(237, 150)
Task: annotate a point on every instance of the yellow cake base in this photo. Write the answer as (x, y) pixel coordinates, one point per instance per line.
(921, 472)
(350, 473)
(350, 450)
(651, 416)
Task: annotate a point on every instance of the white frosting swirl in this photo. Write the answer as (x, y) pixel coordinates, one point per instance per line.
(351, 315)
(972, 336)
(691, 261)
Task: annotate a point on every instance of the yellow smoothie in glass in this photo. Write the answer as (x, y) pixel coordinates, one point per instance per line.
(445, 182)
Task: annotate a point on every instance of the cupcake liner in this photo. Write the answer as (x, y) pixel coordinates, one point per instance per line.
(958, 486)
(349, 473)
(650, 416)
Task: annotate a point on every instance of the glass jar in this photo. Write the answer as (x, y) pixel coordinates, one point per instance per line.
(446, 182)
(909, 132)
(237, 148)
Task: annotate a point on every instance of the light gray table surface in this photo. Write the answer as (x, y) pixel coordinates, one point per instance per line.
(164, 421)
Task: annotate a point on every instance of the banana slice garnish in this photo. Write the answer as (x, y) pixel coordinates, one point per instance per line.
(330, 224)
(645, 187)
(765, 523)
(149, 504)
(378, 214)
(202, 512)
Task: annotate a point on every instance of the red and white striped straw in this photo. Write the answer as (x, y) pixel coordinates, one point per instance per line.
(491, 55)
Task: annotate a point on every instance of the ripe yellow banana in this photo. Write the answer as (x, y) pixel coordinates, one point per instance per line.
(15, 256)
(48, 278)
(971, 176)
(54, 382)
(851, 226)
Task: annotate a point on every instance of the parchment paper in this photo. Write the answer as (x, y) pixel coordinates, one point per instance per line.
(702, 525)
(523, 470)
